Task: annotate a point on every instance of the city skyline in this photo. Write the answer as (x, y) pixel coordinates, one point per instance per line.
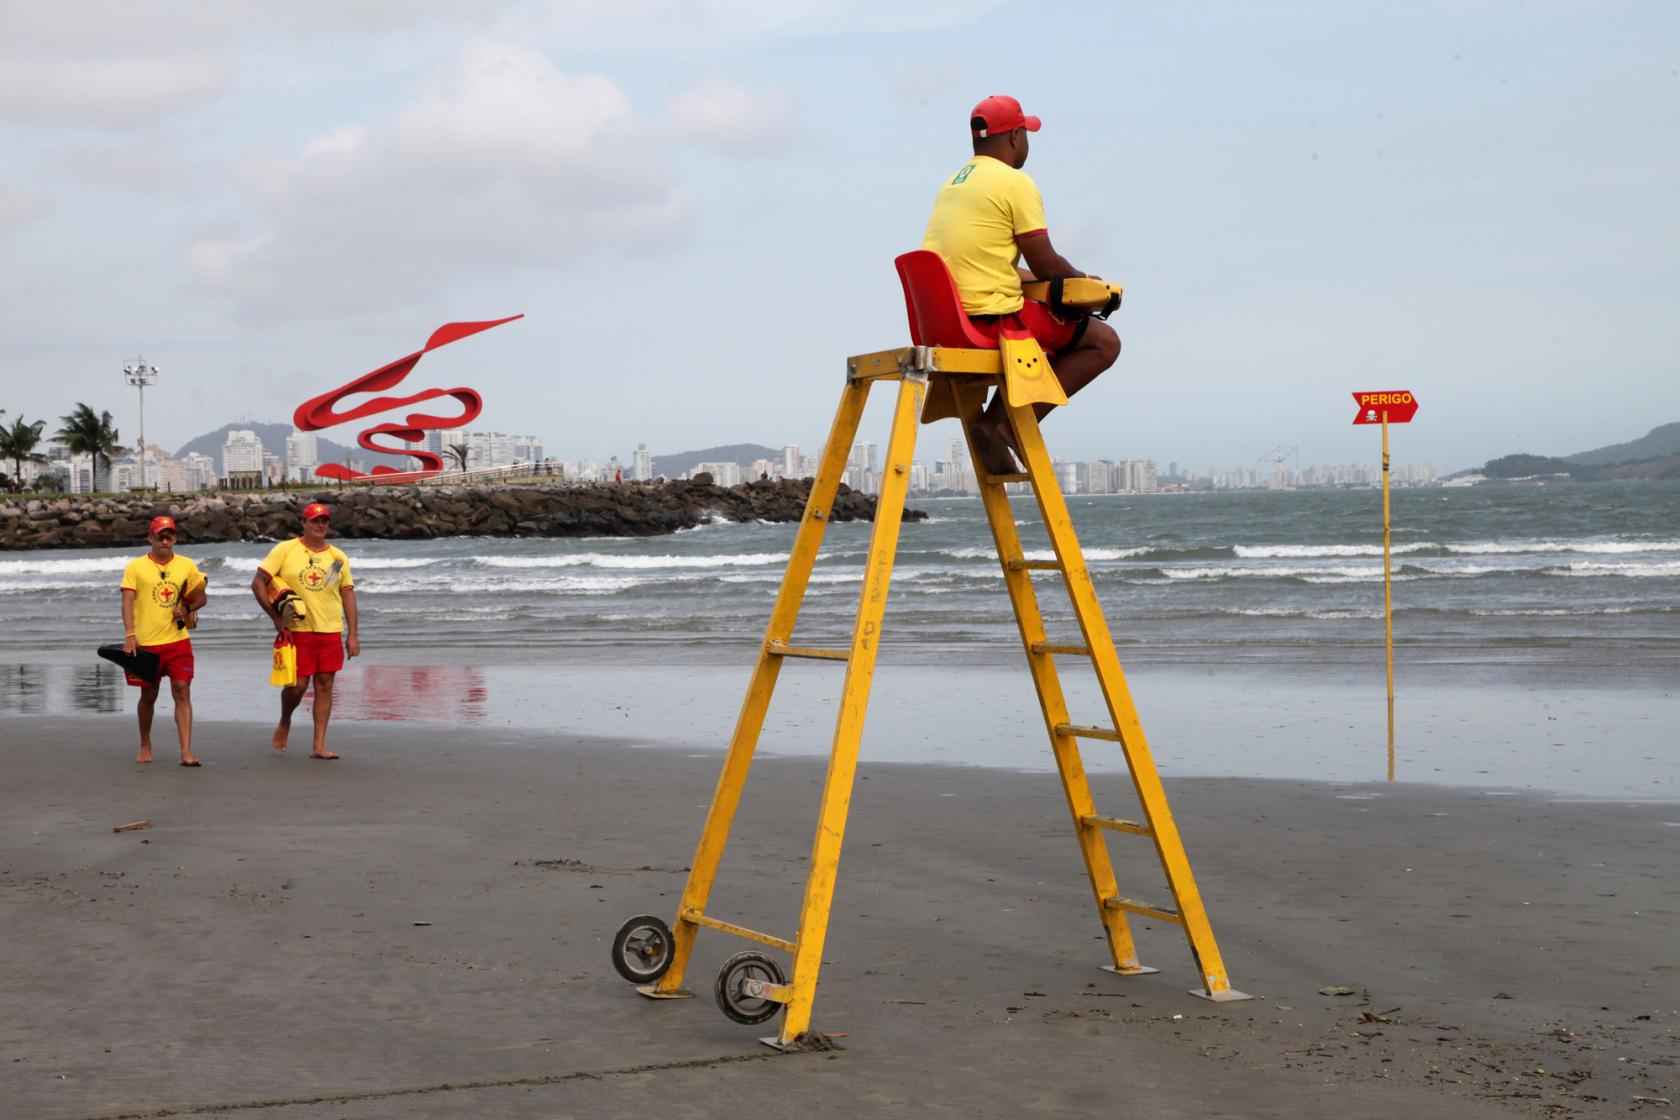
(246, 462)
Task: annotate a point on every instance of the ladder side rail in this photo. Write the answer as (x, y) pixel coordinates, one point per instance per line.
(1169, 846)
(1093, 846)
(726, 798)
(854, 706)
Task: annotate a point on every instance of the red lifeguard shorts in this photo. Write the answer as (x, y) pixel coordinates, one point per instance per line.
(317, 653)
(175, 661)
(1053, 333)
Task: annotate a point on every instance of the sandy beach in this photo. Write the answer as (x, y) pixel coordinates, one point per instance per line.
(421, 930)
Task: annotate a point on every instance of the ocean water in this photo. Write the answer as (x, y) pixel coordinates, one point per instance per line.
(1571, 575)
(1537, 637)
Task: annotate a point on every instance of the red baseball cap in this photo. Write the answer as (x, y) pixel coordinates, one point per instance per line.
(316, 509)
(160, 523)
(999, 114)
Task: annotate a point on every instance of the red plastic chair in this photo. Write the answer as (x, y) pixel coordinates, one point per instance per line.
(934, 307)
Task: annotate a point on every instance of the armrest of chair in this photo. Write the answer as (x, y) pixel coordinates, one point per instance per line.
(1079, 291)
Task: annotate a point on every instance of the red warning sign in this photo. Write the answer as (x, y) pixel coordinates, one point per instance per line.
(1400, 405)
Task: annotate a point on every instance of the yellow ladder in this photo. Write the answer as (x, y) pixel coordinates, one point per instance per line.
(751, 987)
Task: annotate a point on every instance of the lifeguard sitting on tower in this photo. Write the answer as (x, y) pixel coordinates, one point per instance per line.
(986, 218)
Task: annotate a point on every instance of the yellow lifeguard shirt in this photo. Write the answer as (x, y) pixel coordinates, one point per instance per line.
(977, 216)
(157, 588)
(310, 574)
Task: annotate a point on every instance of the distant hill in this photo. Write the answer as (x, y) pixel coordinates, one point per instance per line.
(744, 453)
(273, 438)
(1656, 444)
(1523, 465)
(1654, 456)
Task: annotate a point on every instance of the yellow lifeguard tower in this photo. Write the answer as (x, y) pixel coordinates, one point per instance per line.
(946, 373)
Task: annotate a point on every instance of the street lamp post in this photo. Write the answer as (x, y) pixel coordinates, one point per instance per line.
(140, 373)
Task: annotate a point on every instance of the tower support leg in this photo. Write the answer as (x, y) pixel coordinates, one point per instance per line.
(726, 798)
(854, 705)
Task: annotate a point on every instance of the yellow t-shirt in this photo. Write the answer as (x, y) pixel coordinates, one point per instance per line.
(976, 218)
(310, 574)
(157, 588)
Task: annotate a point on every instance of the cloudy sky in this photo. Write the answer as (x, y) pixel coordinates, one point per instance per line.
(696, 204)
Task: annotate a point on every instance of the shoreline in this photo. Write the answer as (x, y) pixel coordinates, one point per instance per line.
(1482, 730)
(420, 930)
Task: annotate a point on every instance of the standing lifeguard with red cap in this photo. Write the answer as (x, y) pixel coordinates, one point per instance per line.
(161, 594)
(986, 218)
(318, 574)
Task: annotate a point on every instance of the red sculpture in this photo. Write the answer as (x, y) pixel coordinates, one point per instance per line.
(319, 412)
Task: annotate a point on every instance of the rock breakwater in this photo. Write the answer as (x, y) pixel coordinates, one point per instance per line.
(628, 509)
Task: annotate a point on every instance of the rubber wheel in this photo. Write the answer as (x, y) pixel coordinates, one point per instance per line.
(642, 950)
(732, 978)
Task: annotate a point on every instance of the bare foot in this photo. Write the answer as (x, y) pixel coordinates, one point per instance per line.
(280, 734)
(324, 756)
(145, 754)
(189, 760)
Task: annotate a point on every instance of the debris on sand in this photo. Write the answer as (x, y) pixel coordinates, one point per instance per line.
(131, 826)
(815, 1042)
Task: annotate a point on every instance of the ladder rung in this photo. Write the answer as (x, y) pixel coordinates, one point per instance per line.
(1087, 732)
(771, 940)
(1034, 565)
(1053, 647)
(1115, 824)
(1002, 478)
(1132, 906)
(782, 649)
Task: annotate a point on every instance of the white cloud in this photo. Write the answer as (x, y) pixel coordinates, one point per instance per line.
(725, 115)
(215, 258)
(663, 24)
(115, 66)
(502, 163)
(20, 208)
(105, 92)
(109, 67)
(510, 105)
(341, 143)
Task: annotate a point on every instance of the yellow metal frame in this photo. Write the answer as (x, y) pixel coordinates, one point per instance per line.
(960, 378)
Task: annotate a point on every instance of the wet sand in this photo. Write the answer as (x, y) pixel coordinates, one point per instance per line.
(1603, 732)
(421, 930)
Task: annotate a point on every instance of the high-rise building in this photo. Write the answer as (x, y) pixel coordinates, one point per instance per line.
(242, 453)
(642, 471)
(791, 462)
(526, 449)
(1099, 476)
(499, 449)
(302, 453)
(857, 467)
(723, 474)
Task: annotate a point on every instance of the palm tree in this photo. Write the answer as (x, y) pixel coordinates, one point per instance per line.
(87, 433)
(18, 443)
(458, 452)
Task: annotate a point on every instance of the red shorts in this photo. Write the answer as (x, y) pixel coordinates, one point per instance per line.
(317, 653)
(175, 661)
(1052, 333)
